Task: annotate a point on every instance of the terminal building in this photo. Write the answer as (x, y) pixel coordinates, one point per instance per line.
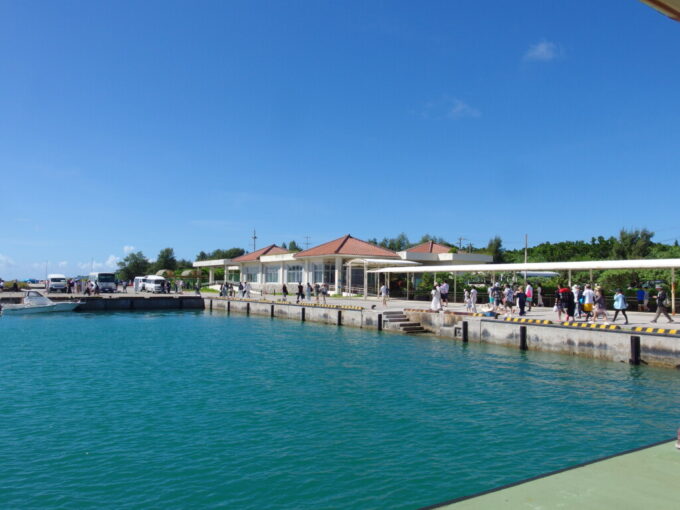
(342, 263)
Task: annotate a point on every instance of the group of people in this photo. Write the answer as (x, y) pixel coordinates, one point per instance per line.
(440, 296)
(510, 298)
(305, 292)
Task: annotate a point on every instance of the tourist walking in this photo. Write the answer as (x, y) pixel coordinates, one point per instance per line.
(325, 290)
(197, 287)
(600, 305)
(384, 293)
(444, 292)
(246, 290)
(300, 296)
(576, 291)
(539, 296)
(240, 289)
(473, 299)
(317, 291)
(662, 304)
(640, 296)
(530, 296)
(559, 305)
(284, 291)
(466, 300)
(568, 302)
(308, 292)
(620, 305)
(521, 300)
(436, 304)
(509, 300)
(588, 301)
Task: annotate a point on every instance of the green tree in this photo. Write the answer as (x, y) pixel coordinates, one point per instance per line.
(218, 254)
(134, 264)
(633, 244)
(495, 249)
(293, 246)
(166, 260)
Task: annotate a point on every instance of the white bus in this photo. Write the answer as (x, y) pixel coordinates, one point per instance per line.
(105, 281)
(154, 283)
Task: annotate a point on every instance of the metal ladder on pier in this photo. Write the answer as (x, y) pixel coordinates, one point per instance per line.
(399, 319)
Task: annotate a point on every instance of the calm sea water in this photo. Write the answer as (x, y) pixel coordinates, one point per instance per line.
(193, 410)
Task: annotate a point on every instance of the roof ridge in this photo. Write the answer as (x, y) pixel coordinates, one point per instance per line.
(344, 238)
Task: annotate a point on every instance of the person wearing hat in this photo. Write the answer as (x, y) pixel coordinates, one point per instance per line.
(662, 304)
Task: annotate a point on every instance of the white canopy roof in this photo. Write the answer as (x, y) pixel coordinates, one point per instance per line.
(538, 266)
(383, 262)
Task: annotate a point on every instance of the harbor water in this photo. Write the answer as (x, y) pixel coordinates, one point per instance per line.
(200, 410)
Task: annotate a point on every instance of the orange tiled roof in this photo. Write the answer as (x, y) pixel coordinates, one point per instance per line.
(272, 249)
(347, 245)
(430, 247)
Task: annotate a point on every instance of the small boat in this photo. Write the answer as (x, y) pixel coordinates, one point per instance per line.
(34, 302)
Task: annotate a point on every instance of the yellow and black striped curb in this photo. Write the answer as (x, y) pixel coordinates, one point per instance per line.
(658, 331)
(528, 321)
(289, 303)
(589, 325)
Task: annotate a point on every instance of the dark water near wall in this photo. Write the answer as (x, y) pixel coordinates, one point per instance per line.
(193, 410)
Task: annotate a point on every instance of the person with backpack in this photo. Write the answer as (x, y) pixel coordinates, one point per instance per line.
(568, 303)
(662, 304)
(620, 305)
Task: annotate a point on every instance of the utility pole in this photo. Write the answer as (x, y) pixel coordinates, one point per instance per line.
(254, 238)
(526, 249)
(460, 242)
(306, 242)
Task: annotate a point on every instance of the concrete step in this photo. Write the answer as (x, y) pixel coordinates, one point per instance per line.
(396, 319)
(414, 329)
(409, 324)
(393, 312)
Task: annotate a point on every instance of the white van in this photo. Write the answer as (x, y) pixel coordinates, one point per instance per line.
(105, 281)
(154, 283)
(138, 284)
(56, 283)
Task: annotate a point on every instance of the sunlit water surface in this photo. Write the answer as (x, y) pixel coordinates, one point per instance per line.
(193, 410)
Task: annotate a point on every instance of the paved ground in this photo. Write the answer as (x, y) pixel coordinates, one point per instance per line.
(646, 478)
(642, 319)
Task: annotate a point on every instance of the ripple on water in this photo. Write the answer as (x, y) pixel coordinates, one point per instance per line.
(197, 410)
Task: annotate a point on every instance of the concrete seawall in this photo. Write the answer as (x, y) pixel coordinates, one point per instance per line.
(608, 344)
(121, 302)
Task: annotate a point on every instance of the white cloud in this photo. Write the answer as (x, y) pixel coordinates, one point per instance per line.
(63, 263)
(109, 263)
(5, 262)
(128, 249)
(544, 51)
(448, 108)
(460, 109)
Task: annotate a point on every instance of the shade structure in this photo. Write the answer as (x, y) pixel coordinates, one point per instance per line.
(581, 265)
(670, 8)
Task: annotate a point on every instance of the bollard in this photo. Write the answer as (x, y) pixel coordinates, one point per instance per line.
(211, 305)
(523, 338)
(247, 308)
(634, 350)
(339, 317)
(465, 331)
(271, 311)
(228, 306)
(379, 322)
(302, 314)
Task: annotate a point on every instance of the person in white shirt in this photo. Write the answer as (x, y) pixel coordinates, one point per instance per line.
(384, 293)
(588, 300)
(444, 291)
(473, 299)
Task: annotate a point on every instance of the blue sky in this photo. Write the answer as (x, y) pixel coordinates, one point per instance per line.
(188, 124)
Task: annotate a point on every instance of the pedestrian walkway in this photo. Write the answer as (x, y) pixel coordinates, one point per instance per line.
(646, 478)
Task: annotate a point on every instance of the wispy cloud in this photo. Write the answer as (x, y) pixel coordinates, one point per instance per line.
(448, 108)
(127, 249)
(63, 263)
(109, 263)
(544, 51)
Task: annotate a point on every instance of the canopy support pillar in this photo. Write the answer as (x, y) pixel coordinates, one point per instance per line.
(455, 285)
(408, 285)
(673, 290)
(349, 277)
(570, 278)
(591, 277)
(365, 279)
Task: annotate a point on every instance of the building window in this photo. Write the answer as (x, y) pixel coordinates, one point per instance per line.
(271, 274)
(251, 274)
(329, 273)
(317, 276)
(294, 274)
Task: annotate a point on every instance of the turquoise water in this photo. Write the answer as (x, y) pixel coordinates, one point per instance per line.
(193, 410)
